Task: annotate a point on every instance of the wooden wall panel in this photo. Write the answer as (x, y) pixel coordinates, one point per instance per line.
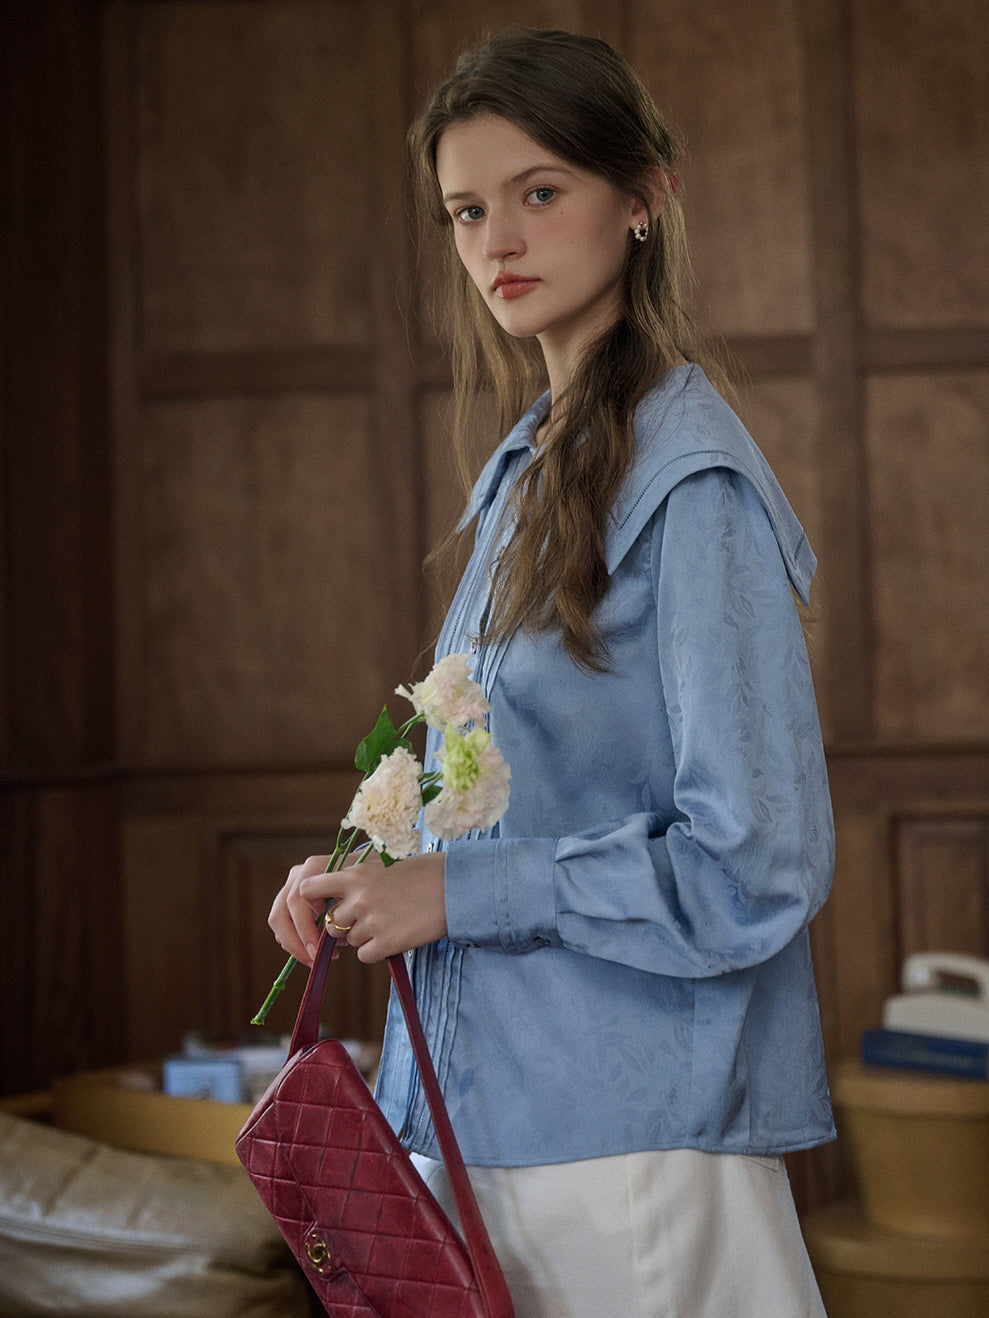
(444, 497)
(943, 872)
(862, 968)
(18, 1036)
(78, 1003)
(166, 938)
(852, 945)
(929, 491)
(252, 866)
(261, 575)
(256, 216)
(62, 1005)
(204, 856)
(55, 518)
(63, 981)
(444, 494)
(729, 76)
(268, 547)
(268, 538)
(783, 417)
(911, 873)
(844, 590)
(923, 164)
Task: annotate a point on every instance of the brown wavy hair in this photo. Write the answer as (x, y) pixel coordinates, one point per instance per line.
(578, 97)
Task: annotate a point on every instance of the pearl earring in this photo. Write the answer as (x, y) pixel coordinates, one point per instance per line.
(641, 231)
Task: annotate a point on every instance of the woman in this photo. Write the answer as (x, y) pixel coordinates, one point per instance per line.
(615, 980)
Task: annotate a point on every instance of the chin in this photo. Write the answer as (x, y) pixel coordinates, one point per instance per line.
(521, 326)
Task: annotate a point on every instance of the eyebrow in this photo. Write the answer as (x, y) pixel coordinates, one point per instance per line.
(512, 182)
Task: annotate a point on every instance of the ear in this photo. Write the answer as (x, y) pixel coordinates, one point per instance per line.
(656, 185)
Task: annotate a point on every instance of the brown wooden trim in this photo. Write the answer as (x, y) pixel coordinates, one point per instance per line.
(397, 419)
(928, 780)
(892, 750)
(844, 586)
(349, 369)
(857, 762)
(766, 357)
(61, 981)
(964, 348)
(57, 640)
(120, 116)
(17, 965)
(772, 357)
(298, 794)
(344, 369)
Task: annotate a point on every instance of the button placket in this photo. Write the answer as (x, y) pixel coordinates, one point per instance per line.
(464, 629)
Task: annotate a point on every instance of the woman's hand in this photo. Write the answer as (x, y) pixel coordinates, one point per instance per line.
(379, 909)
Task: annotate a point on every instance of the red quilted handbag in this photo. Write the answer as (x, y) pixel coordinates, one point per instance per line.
(355, 1212)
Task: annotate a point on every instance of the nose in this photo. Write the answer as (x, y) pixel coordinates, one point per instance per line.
(502, 237)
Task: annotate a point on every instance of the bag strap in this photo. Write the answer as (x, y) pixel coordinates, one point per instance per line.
(490, 1278)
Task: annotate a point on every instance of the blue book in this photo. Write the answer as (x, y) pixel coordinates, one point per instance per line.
(926, 1052)
(218, 1078)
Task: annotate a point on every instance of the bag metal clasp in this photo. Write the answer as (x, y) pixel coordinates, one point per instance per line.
(319, 1256)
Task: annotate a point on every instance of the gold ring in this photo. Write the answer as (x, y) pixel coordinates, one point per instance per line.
(342, 928)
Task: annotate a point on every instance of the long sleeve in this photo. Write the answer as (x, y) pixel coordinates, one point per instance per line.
(723, 871)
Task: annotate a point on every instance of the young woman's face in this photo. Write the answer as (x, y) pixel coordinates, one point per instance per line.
(545, 242)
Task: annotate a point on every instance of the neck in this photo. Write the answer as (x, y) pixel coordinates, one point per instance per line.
(560, 366)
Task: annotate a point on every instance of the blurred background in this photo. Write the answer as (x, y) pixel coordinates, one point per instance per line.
(224, 457)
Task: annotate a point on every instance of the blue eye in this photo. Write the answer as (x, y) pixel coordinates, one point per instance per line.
(468, 214)
(542, 196)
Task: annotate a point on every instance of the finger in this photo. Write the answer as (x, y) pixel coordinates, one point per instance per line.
(292, 919)
(283, 927)
(280, 907)
(318, 889)
(305, 917)
(373, 951)
(313, 865)
(288, 939)
(337, 924)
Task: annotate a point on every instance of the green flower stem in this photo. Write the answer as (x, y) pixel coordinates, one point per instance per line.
(276, 988)
(341, 851)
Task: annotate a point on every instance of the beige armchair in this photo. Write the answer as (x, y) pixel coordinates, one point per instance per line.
(95, 1231)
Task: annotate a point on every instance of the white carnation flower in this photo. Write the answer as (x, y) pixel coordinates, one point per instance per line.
(448, 695)
(475, 785)
(387, 805)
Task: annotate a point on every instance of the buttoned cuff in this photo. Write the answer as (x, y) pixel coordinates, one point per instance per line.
(500, 893)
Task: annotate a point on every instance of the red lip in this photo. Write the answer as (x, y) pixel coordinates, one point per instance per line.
(509, 286)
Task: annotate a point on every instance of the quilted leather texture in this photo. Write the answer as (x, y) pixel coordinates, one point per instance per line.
(369, 1235)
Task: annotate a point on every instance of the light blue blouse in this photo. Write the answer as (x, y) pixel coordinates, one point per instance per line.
(627, 965)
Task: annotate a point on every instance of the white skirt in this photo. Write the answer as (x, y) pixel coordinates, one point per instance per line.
(671, 1234)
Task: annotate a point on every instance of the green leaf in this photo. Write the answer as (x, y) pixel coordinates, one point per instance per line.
(383, 738)
(431, 792)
